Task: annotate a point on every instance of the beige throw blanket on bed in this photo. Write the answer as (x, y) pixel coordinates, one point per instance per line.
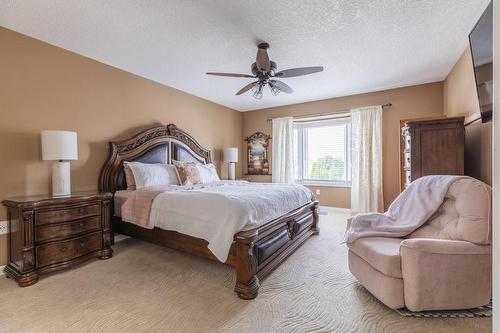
(411, 209)
(137, 207)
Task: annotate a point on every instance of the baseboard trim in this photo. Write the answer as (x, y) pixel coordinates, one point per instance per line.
(336, 209)
(4, 227)
(120, 237)
(1, 270)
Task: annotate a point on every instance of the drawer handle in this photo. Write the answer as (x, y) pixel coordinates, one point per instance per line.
(82, 244)
(81, 210)
(63, 247)
(82, 224)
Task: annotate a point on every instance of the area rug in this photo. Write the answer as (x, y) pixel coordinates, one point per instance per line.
(482, 311)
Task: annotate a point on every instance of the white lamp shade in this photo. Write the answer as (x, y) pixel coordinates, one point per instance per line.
(231, 155)
(59, 145)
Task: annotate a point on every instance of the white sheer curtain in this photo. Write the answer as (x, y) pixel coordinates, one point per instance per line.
(366, 141)
(283, 164)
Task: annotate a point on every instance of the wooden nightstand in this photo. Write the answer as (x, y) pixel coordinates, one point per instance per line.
(50, 233)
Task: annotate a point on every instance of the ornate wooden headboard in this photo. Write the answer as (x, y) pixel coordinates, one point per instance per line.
(156, 145)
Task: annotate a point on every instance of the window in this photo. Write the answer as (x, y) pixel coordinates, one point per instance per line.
(323, 152)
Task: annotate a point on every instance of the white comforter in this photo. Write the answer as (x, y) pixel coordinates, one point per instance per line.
(216, 211)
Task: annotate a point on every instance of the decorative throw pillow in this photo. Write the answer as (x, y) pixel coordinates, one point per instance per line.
(129, 177)
(188, 172)
(208, 173)
(146, 174)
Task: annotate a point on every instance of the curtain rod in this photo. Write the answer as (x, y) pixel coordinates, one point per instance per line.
(384, 106)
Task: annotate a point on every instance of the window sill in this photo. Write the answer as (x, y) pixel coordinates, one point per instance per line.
(324, 184)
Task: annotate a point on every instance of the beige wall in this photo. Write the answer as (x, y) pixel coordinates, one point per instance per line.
(45, 87)
(409, 102)
(460, 98)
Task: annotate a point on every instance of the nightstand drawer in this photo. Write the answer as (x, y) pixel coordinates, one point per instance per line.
(63, 215)
(62, 230)
(52, 253)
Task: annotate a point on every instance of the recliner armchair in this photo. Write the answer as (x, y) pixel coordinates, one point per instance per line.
(444, 264)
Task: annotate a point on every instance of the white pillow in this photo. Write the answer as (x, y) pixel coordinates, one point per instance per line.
(208, 173)
(153, 174)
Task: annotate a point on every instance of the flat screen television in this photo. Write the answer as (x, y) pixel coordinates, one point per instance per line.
(481, 45)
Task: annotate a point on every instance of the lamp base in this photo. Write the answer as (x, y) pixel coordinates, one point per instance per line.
(231, 171)
(61, 178)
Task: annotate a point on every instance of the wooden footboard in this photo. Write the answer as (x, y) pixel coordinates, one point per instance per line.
(260, 251)
(254, 254)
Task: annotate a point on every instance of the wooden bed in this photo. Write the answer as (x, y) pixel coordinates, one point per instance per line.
(254, 253)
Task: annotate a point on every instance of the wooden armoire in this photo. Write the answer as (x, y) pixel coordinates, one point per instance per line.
(432, 147)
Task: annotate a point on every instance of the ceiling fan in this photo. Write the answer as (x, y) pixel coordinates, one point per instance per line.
(264, 70)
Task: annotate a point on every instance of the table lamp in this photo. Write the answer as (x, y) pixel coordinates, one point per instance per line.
(231, 156)
(60, 147)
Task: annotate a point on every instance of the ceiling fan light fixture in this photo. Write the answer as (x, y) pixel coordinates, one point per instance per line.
(258, 95)
(255, 88)
(257, 91)
(274, 89)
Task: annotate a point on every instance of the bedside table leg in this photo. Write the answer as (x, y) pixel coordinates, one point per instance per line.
(28, 279)
(23, 280)
(106, 254)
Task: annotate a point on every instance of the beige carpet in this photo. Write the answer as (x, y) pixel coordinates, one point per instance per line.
(147, 288)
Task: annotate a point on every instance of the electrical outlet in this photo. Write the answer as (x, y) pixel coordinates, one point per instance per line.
(318, 192)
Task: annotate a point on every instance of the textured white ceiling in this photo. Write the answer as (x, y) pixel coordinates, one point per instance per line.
(363, 45)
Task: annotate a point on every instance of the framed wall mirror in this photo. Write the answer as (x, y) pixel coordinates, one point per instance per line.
(257, 154)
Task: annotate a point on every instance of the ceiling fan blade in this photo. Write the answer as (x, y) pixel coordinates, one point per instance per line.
(263, 63)
(230, 74)
(282, 86)
(246, 88)
(292, 72)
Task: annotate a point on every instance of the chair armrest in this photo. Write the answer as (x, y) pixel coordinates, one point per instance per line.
(445, 274)
(445, 246)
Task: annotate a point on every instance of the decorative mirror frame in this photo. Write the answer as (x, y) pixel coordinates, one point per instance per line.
(258, 164)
